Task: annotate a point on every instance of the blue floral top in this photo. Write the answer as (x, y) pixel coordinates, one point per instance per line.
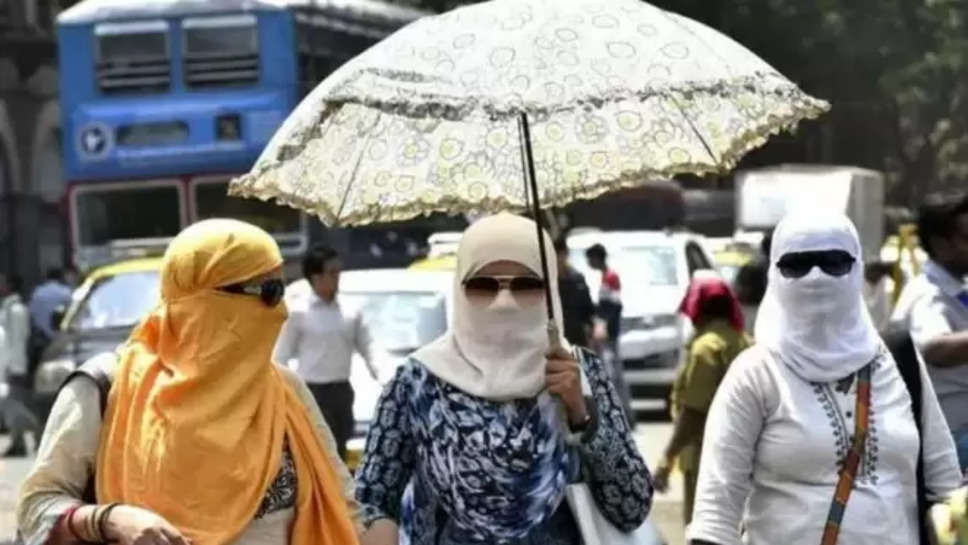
(397, 454)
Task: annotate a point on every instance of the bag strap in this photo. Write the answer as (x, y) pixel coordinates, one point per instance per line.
(847, 475)
(94, 370)
(906, 358)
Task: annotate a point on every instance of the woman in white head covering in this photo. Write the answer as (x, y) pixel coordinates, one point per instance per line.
(468, 444)
(782, 426)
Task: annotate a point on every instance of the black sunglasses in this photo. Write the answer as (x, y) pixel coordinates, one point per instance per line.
(799, 264)
(270, 291)
(490, 285)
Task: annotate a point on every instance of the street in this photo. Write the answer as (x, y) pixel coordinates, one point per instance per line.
(650, 436)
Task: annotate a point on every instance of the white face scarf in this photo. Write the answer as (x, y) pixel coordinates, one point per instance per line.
(818, 325)
(496, 351)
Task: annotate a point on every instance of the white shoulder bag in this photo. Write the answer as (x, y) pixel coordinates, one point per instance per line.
(594, 527)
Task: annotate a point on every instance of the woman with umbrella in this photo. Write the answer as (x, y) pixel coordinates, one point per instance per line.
(469, 444)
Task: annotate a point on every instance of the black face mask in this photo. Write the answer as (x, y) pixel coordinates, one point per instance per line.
(270, 291)
(832, 262)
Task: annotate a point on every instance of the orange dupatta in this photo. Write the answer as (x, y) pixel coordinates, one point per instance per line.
(197, 416)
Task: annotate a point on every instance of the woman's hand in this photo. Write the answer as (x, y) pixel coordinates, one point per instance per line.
(564, 381)
(381, 532)
(129, 525)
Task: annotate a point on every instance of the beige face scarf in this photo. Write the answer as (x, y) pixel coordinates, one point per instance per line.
(496, 351)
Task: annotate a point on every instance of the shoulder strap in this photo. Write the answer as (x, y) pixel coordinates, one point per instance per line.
(905, 356)
(97, 370)
(847, 475)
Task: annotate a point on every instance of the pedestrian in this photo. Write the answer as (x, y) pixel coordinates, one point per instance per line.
(478, 434)
(203, 439)
(876, 295)
(936, 308)
(319, 340)
(718, 321)
(576, 301)
(811, 435)
(14, 369)
(49, 297)
(751, 282)
(609, 312)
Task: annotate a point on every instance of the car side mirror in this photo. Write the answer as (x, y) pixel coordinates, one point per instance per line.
(57, 317)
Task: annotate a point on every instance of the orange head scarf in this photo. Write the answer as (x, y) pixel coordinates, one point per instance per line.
(197, 414)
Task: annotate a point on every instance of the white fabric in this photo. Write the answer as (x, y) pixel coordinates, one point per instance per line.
(818, 324)
(318, 339)
(45, 300)
(596, 529)
(498, 351)
(935, 311)
(15, 322)
(775, 440)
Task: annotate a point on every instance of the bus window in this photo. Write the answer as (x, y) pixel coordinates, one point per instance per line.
(126, 211)
(133, 57)
(212, 201)
(221, 51)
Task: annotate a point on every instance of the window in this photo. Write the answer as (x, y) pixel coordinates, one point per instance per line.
(213, 201)
(117, 301)
(163, 133)
(126, 211)
(133, 57)
(221, 51)
(637, 266)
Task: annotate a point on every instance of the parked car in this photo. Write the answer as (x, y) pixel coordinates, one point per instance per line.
(655, 268)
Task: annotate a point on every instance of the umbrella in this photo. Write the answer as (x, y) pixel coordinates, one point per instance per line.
(576, 98)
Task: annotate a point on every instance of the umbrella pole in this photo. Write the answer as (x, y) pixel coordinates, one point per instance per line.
(531, 186)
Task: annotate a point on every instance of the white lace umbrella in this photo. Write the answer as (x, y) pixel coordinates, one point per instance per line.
(614, 92)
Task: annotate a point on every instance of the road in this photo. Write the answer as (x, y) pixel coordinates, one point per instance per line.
(650, 436)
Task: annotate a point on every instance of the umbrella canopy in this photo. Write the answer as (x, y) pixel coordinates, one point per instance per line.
(616, 92)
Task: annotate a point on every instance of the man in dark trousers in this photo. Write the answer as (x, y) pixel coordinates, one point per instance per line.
(610, 314)
(319, 339)
(576, 301)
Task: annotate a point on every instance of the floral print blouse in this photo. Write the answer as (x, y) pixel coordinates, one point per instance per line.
(606, 459)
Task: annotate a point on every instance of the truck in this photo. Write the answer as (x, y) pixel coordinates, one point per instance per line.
(765, 195)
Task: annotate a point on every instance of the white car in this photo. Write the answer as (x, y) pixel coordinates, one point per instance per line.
(404, 310)
(655, 268)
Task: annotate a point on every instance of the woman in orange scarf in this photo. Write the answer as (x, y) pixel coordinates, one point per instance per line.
(203, 440)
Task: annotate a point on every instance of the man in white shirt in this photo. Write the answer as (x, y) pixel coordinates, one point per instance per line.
(15, 322)
(318, 341)
(936, 312)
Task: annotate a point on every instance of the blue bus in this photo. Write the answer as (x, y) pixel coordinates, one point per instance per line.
(163, 101)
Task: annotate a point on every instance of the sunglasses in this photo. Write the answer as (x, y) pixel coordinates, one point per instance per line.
(270, 291)
(491, 285)
(832, 262)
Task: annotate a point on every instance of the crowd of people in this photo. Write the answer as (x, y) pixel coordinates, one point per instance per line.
(224, 417)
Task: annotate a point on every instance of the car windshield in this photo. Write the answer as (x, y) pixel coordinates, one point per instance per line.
(654, 265)
(399, 322)
(121, 300)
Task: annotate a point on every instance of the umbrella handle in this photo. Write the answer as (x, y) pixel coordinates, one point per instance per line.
(554, 336)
